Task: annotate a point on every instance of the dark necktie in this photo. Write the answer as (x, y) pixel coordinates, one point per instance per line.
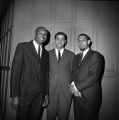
(39, 52)
(80, 59)
(81, 55)
(59, 55)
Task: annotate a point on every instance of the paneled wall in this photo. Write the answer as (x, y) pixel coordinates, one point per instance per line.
(99, 19)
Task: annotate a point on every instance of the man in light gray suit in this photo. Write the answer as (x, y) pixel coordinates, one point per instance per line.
(60, 67)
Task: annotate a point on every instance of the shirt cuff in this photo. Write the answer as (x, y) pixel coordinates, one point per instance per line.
(74, 86)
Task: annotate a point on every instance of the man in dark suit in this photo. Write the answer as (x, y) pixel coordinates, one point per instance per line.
(29, 77)
(88, 69)
(60, 67)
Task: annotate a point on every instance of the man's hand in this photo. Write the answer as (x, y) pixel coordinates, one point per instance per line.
(71, 88)
(77, 94)
(14, 103)
(74, 91)
(46, 101)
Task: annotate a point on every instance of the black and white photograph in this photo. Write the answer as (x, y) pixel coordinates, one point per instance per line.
(59, 60)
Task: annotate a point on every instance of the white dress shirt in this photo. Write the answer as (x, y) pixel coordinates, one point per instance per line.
(84, 52)
(36, 45)
(61, 52)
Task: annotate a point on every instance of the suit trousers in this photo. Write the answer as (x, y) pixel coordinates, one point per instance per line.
(33, 111)
(84, 110)
(59, 106)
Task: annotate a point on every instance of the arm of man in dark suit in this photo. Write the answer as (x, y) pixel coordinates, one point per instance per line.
(47, 76)
(72, 86)
(96, 71)
(73, 69)
(47, 85)
(15, 76)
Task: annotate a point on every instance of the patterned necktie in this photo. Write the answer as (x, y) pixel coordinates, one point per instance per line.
(59, 55)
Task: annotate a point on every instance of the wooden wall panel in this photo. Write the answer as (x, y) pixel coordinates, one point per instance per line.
(107, 11)
(22, 13)
(108, 99)
(41, 11)
(20, 34)
(107, 44)
(84, 11)
(63, 11)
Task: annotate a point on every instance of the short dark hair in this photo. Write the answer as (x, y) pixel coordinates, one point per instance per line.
(41, 27)
(87, 37)
(61, 33)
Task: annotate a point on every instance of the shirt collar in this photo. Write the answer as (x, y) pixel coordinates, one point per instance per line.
(36, 44)
(85, 52)
(61, 50)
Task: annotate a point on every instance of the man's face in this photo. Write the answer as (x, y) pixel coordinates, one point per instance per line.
(60, 41)
(41, 36)
(83, 43)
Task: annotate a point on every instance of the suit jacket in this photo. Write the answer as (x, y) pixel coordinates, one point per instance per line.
(29, 75)
(87, 75)
(60, 73)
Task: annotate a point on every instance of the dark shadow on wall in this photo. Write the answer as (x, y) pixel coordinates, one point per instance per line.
(48, 39)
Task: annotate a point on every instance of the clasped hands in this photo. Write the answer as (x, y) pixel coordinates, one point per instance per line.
(74, 91)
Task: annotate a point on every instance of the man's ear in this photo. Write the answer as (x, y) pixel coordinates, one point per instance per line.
(65, 43)
(89, 42)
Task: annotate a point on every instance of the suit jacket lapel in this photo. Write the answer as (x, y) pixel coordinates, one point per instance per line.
(79, 59)
(42, 54)
(63, 55)
(86, 56)
(32, 48)
(54, 56)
